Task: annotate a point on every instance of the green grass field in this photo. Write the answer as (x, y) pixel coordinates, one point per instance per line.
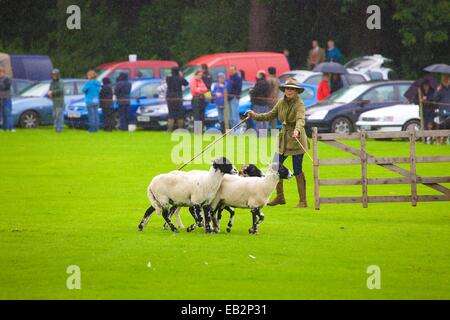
(77, 198)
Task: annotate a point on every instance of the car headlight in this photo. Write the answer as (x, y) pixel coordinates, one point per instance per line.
(319, 115)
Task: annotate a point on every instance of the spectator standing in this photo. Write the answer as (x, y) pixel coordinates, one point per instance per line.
(218, 94)
(335, 82)
(56, 93)
(174, 98)
(122, 93)
(92, 97)
(5, 100)
(274, 90)
(198, 90)
(107, 105)
(206, 77)
(334, 54)
(259, 96)
(234, 88)
(442, 97)
(316, 55)
(323, 90)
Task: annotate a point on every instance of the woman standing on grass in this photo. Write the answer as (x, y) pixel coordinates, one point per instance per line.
(107, 105)
(92, 92)
(290, 110)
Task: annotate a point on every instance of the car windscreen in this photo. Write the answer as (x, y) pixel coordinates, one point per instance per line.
(347, 95)
(38, 90)
(359, 63)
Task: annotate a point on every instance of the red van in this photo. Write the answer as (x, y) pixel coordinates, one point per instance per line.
(149, 69)
(249, 62)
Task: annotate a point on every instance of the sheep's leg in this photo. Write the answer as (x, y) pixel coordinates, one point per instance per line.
(197, 214)
(166, 217)
(194, 214)
(230, 223)
(207, 212)
(256, 213)
(146, 217)
(178, 217)
(215, 221)
(171, 212)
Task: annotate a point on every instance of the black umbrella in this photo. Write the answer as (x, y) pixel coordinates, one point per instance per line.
(411, 93)
(438, 68)
(330, 67)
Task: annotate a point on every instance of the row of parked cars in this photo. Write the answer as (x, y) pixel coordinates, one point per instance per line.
(338, 113)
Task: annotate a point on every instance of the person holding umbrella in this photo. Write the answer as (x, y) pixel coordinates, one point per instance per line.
(290, 111)
(442, 97)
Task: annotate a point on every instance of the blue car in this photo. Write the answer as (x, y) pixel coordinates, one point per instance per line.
(33, 108)
(143, 92)
(309, 97)
(155, 116)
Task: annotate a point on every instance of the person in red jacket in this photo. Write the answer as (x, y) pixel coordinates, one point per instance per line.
(323, 90)
(198, 90)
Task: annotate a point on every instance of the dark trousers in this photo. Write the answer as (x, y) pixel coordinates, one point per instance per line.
(176, 109)
(123, 115)
(108, 118)
(198, 108)
(297, 161)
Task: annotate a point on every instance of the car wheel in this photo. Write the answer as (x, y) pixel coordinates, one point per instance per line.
(341, 125)
(29, 119)
(412, 124)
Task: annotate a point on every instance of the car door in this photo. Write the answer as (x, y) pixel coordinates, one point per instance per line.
(374, 98)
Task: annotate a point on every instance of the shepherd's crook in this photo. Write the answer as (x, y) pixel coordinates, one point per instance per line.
(303, 148)
(214, 142)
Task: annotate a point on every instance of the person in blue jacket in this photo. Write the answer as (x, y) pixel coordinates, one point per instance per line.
(122, 92)
(334, 54)
(218, 94)
(92, 98)
(234, 88)
(5, 100)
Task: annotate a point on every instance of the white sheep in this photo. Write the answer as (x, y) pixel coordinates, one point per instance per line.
(186, 189)
(249, 192)
(247, 170)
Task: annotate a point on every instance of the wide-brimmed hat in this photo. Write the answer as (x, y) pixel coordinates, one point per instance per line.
(291, 83)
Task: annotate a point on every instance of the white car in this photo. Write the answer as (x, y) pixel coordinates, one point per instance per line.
(400, 117)
(372, 66)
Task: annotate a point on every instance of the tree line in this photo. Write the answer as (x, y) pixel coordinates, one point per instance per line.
(413, 33)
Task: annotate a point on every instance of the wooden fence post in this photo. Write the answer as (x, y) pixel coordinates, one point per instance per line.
(364, 168)
(412, 163)
(316, 169)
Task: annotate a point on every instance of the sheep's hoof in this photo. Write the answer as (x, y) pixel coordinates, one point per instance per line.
(175, 230)
(140, 227)
(208, 230)
(166, 226)
(190, 229)
(216, 230)
(252, 231)
(228, 229)
(200, 224)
